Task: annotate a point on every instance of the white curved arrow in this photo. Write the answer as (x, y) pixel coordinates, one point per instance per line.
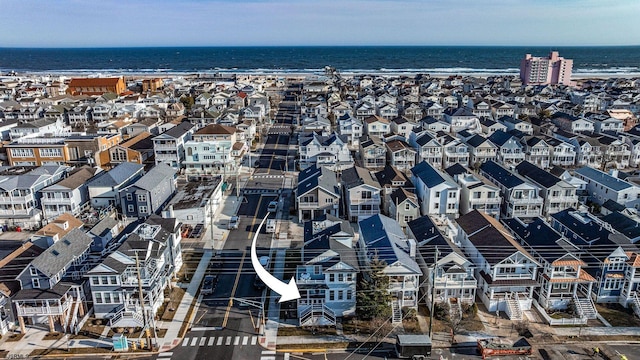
(287, 291)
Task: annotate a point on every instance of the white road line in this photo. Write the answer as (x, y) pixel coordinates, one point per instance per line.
(245, 340)
(267, 358)
(220, 339)
(185, 341)
(202, 340)
(254, 340)
(236, 341)
(165, 354)
(211, 340)
(228, 342)
(268, 352)
(194, 341)
(286, 356)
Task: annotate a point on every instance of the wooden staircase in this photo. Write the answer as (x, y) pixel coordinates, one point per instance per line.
(513, 307)
(585, 307)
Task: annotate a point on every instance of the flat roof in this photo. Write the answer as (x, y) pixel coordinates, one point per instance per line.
(195, 194)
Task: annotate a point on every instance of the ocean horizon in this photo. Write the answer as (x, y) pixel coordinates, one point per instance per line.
(436, 60)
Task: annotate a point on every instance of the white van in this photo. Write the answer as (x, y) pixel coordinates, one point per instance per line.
(271, 226)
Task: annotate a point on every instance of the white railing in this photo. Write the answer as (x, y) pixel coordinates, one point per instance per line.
(558, 322)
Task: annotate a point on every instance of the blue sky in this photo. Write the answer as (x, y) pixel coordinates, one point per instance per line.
(91, 23)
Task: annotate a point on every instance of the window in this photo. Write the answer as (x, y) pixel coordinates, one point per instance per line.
(340, 295)
(349, 295)
(22, 152)
(366, 195)
(340, 277)
(130, 208)
(33, 271)
(57, 152)
(332, 295)
(142, 198)
(142, 209)
(129, 197)
(407, 206)
(477, 194)
(332, 277)
(35, 283)
(98, 297)
(452, 194)
(437, 194)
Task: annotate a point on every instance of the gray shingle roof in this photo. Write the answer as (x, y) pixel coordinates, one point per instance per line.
(63, 252)
(117, 175)
(155, 176)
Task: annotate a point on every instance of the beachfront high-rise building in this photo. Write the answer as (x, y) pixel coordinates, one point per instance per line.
(553, 69)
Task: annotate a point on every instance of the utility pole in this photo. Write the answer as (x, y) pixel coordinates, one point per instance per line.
(433, 292)
(144, 311)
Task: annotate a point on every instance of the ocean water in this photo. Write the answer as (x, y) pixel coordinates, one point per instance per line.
(619, 60)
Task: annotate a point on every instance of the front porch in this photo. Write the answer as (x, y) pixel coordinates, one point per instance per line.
(64, 304)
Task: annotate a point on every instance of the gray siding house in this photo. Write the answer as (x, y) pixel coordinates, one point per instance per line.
(147, 195)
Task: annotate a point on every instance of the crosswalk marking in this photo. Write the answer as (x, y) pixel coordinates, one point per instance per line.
(254, 340)
(245, 340)
(268, 355)
(211, 339)
(202, 341)
(185, 341)
(268, 352)
(228, 341)
(286, 356)
(167, 354)
(217, 341)
(236, 341)
(220, 339)
(193, 341)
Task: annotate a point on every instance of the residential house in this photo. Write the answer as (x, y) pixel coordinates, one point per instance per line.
(434, 125)
(168, 147)
(50, 291)
(481, 150)
(506, 272)
(462, 119)
(211, 151)
(362, 193)
(318, 193)
(572, 123)
(510, 150)
(149, 259)
(520, 197)
(562, 153)
(403, 127)
(37, 151)
(427, 147)
(400, 155)
(489, 126)
(438, 192)
(373, 153)
(38, 128)
(331, 151)
(602, 186)
(476, 192)
(403, 206)
(443, 265)
(138, 149)
(562, 274)
(150, 193)
(376, 126)
(352, 128)
(69, 195)
(520, 125)
(104, 188)
(455, 151)
(382, 239)
(20, 194)
(328, 272)
(537, 151)
(558, 194)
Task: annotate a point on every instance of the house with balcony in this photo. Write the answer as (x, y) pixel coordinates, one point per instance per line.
(462, 119)
(382, 238)
(558, 194)
(610, 259)
(454, 151)
(481, 150)
(104, 188)
(402, 127)
(521, 198)
(479, 107)
(438, 192)
(562, 274)
(608, 124)
(154, 250)
(37, 151)
(489, 126)
(589, 152)
(212, 151)
(138, 149)
(328, 272)
(50, 292)
(37, 128)
(69, 195)
(352, 128)
(365, 110)
(510, 150)
(400, 155)
(20, 194)
(373, 153)
(562, 153)
(434, 125)
(602, 186)
(376, 126)
(476, 192)
(572, 124)
(331, 151)
(150, 193)
(168, 147)
(616, 153)
(403, 206)
(506, 272)
(318, 193)
(427, 148)
(537, 151)
(362, 193)
(444, 266)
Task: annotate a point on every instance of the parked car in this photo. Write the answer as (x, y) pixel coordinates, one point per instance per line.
(273, 206)
(234, 222)
(208, 284)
